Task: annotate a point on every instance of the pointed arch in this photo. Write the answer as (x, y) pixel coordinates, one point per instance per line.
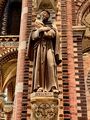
(8, 64)
(81, 11)
(8, 55)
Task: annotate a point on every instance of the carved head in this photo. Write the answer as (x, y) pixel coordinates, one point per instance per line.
(45, 14)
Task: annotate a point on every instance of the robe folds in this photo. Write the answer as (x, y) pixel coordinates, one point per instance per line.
(44, 52)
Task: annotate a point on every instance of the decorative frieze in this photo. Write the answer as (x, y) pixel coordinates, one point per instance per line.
(44, 106)
(9, 38)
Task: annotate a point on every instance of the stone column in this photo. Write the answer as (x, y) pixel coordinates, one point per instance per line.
(2, 116)
(2, 96)
(17, 111)
(10, 92)
(8, 116)
(78, 32)
(44, 106)
(8, 110)
(71, 66)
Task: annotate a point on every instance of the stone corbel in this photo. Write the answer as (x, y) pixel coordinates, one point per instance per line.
(44, 106)
(78, 32)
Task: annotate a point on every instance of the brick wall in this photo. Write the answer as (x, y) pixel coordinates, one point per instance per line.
(86, 59)
(71, 84)
(80, 81)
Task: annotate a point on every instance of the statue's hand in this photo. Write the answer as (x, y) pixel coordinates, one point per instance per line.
(58, 61)
(50, 33)
(43, 29)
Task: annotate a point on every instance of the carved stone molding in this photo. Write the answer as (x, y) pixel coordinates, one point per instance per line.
(45, 4)
(45, 111)
(78, 31)
(86, 18)
(44, 106)
(9, 38)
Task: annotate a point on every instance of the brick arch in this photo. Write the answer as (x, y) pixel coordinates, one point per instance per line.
(86, 50)
(8, 55)
(8, 59)
(9, 80)
(81, 11)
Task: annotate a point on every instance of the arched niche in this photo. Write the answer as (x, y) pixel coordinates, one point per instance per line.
(14, 16)
(10, 20)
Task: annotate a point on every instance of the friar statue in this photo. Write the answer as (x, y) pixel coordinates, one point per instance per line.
(43, 50)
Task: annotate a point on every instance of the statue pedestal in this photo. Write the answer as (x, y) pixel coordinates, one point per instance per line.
(44, 106)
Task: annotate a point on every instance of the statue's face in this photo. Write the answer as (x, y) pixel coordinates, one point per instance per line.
(45, 15)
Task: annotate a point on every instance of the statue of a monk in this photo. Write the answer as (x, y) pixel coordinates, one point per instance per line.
(43, 50)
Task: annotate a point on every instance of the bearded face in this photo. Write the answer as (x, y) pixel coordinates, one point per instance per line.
(45, 16)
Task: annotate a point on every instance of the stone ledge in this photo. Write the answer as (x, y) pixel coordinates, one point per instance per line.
(79, 28)
(44, 95)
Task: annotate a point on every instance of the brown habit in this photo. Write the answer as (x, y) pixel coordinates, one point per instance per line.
(44, 52)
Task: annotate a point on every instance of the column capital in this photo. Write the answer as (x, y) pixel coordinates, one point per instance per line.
(78, 31)
(8, 107)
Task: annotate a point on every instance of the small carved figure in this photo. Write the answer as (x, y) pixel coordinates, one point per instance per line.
(43, 50)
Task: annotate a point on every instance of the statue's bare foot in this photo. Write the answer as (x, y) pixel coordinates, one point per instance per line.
(54, 90)
(40, 89)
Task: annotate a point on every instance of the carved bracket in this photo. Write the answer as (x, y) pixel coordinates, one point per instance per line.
(44, 106)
